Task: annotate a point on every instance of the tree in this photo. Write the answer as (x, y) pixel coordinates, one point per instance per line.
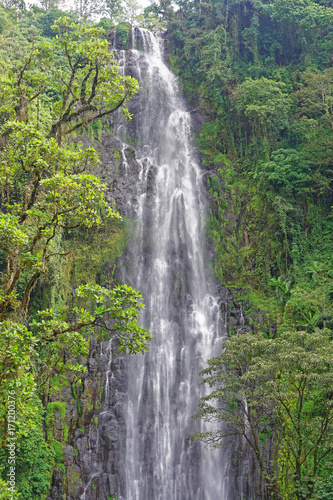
(303, 23)
(150, 20)
(79, 69)
(131, 11)
(278, 388)
(326, 492)
(287, 171)
(50, 4)
(315, 96)
(54, 195)
(315, 124)
(47, 191)
(264, 107)
(91, 83)
(86, 8)
(14, 5)
(113, 10)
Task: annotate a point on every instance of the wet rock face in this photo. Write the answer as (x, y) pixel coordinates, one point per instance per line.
(92, 461)
(94, 454)
(93, 458)
(101, 448)
(244, 478)
(93, 465)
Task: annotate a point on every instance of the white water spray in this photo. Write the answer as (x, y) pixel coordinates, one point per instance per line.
(165, 261)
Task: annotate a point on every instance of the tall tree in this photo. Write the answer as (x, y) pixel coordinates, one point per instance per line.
(50, 4)
(87, 80)
(113, 10)
(47, 190)
(275, 387)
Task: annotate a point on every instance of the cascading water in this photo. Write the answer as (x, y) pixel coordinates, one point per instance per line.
(165, 261)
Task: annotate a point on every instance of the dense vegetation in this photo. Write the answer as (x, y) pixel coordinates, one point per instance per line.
(261, 71)
(56, 79)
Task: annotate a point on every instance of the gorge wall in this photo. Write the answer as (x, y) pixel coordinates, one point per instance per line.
(129, 420)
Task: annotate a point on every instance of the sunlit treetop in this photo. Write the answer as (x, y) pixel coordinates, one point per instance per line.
(75, 71)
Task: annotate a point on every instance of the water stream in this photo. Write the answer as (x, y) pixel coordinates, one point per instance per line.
(165, 260)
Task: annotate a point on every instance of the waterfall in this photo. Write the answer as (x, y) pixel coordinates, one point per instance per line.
(165, 261)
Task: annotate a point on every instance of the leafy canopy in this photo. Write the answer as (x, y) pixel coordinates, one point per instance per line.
(77, 67)
(46, 191)
(279, 386)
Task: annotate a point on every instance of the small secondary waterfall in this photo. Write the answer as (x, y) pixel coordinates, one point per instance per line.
(165, 261)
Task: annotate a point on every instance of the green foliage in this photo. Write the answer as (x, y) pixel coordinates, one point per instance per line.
(17, 346)
(4, 20)
(5, 493)
(266, 106)
(34, 465)
(269, 125)
(262, 73)
(287, 172)
(292, 374)
(326, 491)
(51, 409)
(122, 31)
(87, 84)
(34, 461)
(283, 288)
(51, 87)
(65, 200)
(45, 20)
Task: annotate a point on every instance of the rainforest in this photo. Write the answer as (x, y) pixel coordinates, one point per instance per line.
(166, 251)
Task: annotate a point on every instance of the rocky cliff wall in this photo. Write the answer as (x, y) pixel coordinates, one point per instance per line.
(88, 417)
